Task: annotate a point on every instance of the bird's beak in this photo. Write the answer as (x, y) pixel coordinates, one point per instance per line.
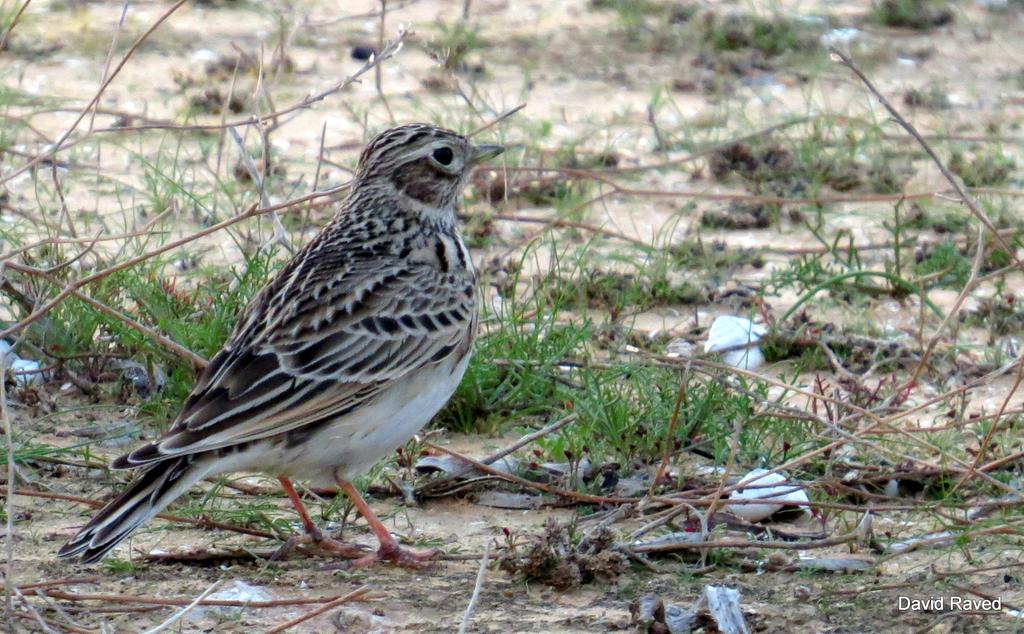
(483, 152)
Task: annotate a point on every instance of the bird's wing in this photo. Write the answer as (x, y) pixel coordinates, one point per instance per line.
(315, 345)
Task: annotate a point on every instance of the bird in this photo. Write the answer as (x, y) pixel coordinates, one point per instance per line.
(353, 346)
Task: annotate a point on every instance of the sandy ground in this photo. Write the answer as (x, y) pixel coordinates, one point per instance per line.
(579, 74)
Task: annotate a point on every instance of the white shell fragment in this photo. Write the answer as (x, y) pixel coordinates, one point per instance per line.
(26, 372)
(237, 590)
(775, 489)
(837, 37)
(680, 348)
(203, 56)
(728, 333)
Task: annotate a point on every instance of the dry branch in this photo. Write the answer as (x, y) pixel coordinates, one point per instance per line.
(388, 52)
(108, 79)
(69, 289)
(167, 601)
(948, 175)
(351, 596)
(201, 522)
(5, 38)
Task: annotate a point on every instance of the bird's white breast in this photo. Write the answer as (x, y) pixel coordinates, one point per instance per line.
(350, 445)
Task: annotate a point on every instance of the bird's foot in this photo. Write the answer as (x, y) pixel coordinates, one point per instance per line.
(338, 548)
(407, 558)
(316, 543)
(393, 553)
(389, 549)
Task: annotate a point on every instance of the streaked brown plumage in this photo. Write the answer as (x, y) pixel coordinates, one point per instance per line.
(355, 345)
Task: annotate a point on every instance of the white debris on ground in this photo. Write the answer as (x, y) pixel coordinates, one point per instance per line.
(839, 37)
(237, 590)
(680, 349)
(774, 488)
(25, 372)
(728, 333)
(720, 604)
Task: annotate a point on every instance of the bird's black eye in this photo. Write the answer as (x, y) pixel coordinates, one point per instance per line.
(444, 155)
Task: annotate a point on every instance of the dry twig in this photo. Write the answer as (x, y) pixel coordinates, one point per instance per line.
(481, 574)
(351, 596)
(60, 144)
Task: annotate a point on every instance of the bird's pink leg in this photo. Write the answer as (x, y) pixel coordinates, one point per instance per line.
(389, 549)
(300, 508)
(313, 534)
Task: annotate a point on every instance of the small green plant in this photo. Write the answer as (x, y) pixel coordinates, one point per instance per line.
(633, 12)
(827, 155)
(1002, 314)
(454, 44)
(649, 25)
(199, 314)
(772, 36)
(932, 96)
(514, 370)
(117, 566)
(945, 266)
(984, 169)
(937, 218)
(912, 14)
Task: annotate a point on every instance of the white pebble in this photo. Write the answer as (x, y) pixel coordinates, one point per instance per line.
(773, 487)
(728, 332)
(26, 372)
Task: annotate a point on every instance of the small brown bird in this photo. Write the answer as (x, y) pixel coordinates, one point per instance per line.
(354, 346)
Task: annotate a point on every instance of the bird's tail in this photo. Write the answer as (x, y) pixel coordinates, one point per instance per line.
(156, 487)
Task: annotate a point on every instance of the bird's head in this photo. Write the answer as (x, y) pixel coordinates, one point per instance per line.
(425, 165)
